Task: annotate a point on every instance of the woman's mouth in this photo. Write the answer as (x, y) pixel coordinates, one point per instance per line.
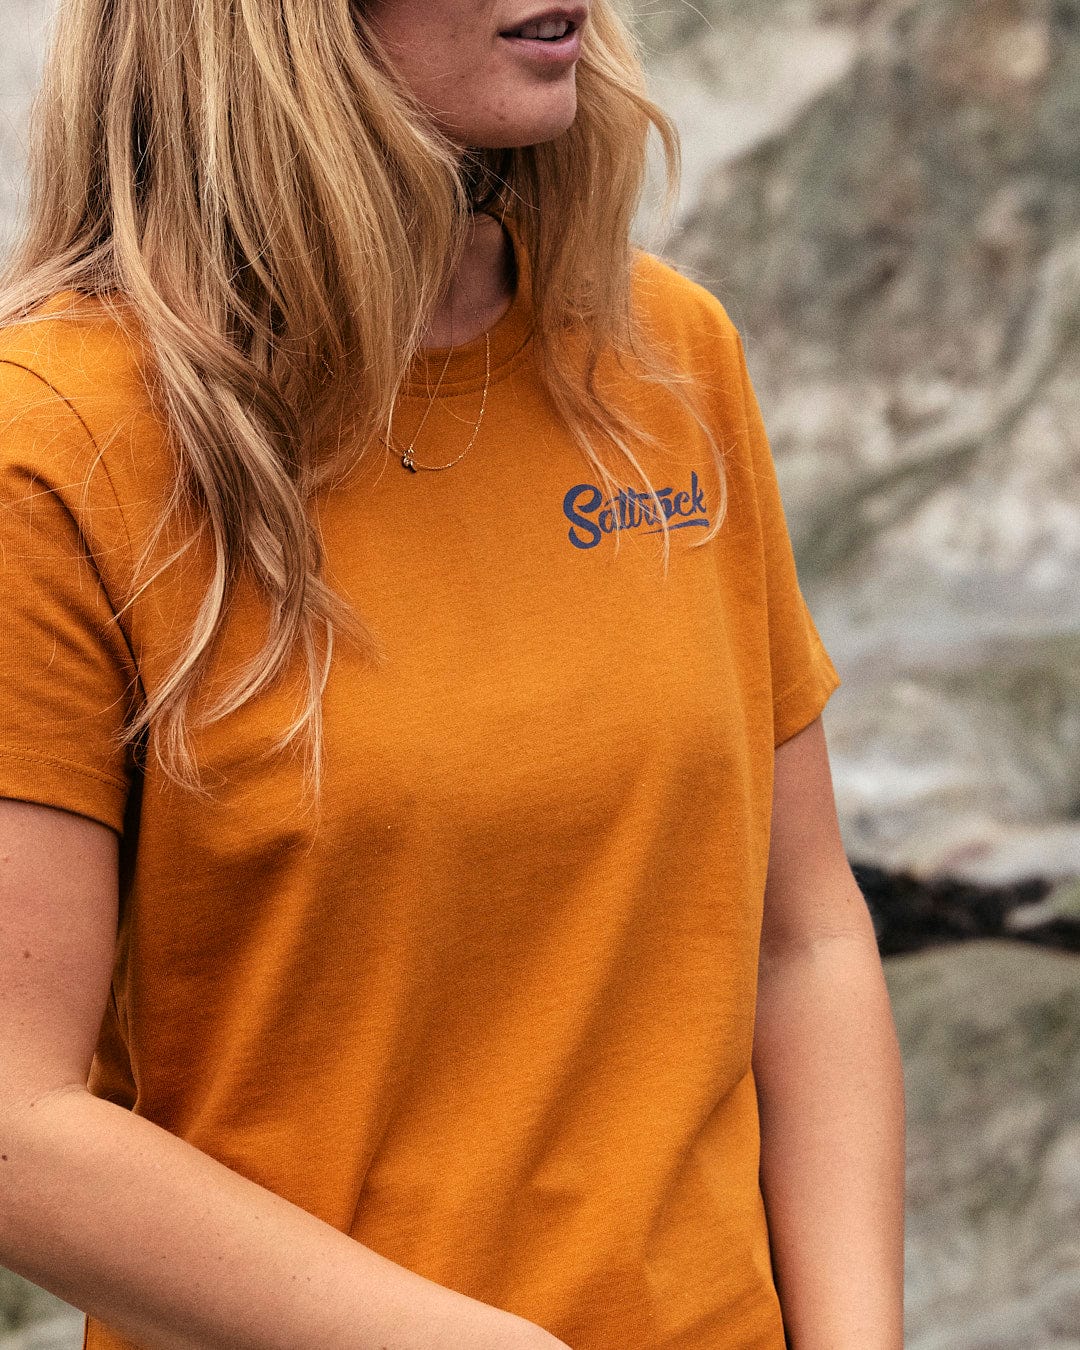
(547, 39)
(549, 30)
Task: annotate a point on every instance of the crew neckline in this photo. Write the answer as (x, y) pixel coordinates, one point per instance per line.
(466, 364)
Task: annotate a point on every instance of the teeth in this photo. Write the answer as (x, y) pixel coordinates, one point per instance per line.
(548, 29)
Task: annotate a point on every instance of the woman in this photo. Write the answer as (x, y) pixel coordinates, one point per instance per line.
(425, 919)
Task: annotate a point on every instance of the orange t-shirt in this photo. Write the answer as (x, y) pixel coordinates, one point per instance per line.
(487, 1006)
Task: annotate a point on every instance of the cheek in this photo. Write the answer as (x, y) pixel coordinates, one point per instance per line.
(441, 52)
(449, 55)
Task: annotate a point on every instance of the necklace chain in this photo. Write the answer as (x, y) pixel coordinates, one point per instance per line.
(407, 459)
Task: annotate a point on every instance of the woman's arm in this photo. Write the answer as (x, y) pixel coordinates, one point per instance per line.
(123, 1219)
(829, 1078)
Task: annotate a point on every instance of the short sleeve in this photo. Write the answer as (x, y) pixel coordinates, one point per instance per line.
(67, 676)
(803, 675)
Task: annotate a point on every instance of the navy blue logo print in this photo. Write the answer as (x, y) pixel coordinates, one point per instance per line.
(591, 516)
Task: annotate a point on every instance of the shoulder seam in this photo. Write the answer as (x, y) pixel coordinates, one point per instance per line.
(91, 438)
(99, 459)
(704, 300)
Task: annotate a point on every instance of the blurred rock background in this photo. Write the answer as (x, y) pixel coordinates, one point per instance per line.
(886, 196)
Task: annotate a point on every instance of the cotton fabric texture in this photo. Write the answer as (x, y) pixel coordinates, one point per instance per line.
(488, 1005)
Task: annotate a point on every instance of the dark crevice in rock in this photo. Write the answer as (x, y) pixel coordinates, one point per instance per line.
(911, 913)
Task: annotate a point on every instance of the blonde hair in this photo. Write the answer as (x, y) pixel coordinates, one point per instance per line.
(281, 217)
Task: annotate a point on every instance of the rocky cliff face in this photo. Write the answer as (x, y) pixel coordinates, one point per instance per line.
(886, 194)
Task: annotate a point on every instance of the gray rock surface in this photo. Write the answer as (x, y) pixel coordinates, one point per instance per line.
(56, 1333)
(22, 29)
(990, 1035)
(886, 194)
(31, 1319)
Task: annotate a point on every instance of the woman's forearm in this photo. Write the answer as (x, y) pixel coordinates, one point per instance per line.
(831, 1097)
(175, 1251)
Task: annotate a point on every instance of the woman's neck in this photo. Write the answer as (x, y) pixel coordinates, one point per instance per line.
(482, 289)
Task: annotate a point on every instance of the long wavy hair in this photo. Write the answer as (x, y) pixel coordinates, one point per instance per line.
(251, 182)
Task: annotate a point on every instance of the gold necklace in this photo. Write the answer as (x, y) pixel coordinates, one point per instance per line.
(407, 460)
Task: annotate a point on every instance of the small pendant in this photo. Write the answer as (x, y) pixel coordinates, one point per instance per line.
(406, 460)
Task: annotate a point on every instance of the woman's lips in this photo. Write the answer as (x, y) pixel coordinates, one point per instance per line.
(559, 51)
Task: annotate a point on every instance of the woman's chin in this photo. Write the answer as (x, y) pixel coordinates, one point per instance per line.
(525, 127)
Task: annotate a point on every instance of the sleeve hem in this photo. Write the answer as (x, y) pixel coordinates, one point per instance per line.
(803, 703)
(46, 781)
